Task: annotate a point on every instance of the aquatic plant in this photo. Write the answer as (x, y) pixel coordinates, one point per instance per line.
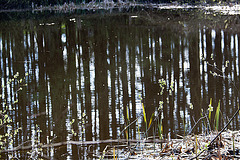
(145, 118)
(127, 131)
(210, 109)
(6, 138)
(217, 116)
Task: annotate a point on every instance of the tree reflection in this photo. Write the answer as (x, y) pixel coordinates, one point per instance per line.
(93, 71)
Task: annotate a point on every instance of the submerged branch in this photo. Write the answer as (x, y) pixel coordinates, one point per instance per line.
(82, 143)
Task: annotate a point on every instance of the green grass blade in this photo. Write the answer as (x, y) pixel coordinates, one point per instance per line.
(150, 122)
(144, 114)
(127, 114)
(126, 132)
(145, 118)
(217, 116)
(210, 109)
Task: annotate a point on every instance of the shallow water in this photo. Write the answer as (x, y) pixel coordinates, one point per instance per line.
(86, 73)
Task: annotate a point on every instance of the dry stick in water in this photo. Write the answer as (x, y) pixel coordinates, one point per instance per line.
(59, 144)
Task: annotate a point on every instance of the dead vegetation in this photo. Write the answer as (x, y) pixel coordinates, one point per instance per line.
(225, 146)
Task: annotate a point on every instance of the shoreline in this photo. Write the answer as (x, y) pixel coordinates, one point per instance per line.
(225, 8)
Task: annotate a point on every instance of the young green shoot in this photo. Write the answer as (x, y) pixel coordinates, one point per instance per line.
(128, 121)
(210, 109)
(114, 155)
(217, 116)
(145, 117)
(150, 122)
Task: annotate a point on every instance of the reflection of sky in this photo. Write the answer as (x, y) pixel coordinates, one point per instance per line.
(63, 37)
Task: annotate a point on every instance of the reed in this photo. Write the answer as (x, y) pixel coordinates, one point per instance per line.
(150, 121)
(210, 109)
(128, 122)
(145, 118)
(217, 116)
(114, 155)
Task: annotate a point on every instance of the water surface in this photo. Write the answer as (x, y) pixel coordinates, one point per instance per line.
(85, 73)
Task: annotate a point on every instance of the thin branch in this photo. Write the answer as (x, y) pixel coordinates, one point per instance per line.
(80, 143)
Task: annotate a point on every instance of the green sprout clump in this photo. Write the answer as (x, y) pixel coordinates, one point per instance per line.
(162, 84)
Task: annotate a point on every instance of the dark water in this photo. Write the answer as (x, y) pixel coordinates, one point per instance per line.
(92, 69)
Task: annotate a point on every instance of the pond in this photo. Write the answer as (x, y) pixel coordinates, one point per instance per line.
(86, 75)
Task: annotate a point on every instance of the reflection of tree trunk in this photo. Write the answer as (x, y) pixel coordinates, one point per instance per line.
(149, 85)
(55, 69)
(219, 63)
(112, 68)
(205, 101)
(176, 72)
(42, 86)
(19, 67)
(86, 71)
(184, 95)
(157, 55)
(81, 150)
(194, 78)
(226, 52)
(4, 48)
(119, 105)
(166, 43)
(72, 78)
(123, 74)
(158, 65)
(209, 59)
(132, 64)
(166, 46)
(165, 60)
(100, 50)
(235, 77)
